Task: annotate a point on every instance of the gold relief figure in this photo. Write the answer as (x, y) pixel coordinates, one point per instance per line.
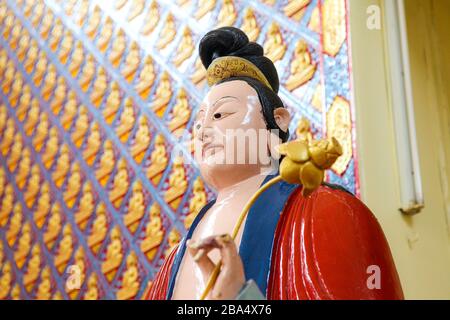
(5, 280)
(141, 140)
(15, 35)
(120, 184)
(66, 46)
(73, 185)
(24, 101)
(114, 254)
(92, 145)
(92, 288)
(16, 90)
(33, 56)
(49, 82)
(46, 24)
(167, 33)
(185, 48)
(8, 24)
(227, 14)
(302, 67)
(57, 296)
(88, 72)
(334, 26)
(8, 136)
(33, 186)
(146, 78)
(69, 6)
(44, 290)
(24, 246)
(3, 117)
(14, 225)
(33, 268)
(154, 233)
(197, 202)
(130, 280)
(274, 46)
(2, 184)
(33, 118)
(62, 166)
(296, 8)
(250, 25)
(94, 22)
(112, 104)
(59, 95)
(80, 263)
(28, 8)
(151, 19)
(303, 131)
(4, 60)
(43, 206)
(15, 292)
(131, 62)
(105, 34)
(136, 208)
(86, 206)
(15, 153)
(65, 249)
(8, 77)
(81, 128)
(119, 4)
(77, 59)
(162, 95)
(51, 148)
(203, 7)
(158, 160)
(40, 69)
(177, 184)
(83, 11)
(41, 132)
(126, 121)
(99, 229)
(24, 168)
(70, 111)
(106, 165)
(53, 226)
(24, 44)
(174, 239)
(56, 34)
(137, 7)
(199, 73)
(180, 113)
(2, 253)
(118, 48)
(7, 205)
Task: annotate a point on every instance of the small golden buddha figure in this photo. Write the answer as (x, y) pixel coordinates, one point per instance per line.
(180, 113)
(2, 253)
(3, 117)
(8, 24)
(198, 201)
(73, 185)
(203, 7)
(43, 206)
(51, 148)
(105, 34)
(158, 161)
(154, 233)
(80, 263)
(151, 19)
(53, 226)
(49, 82)
(8, 77)
(7, 205)
(88, 73)
(62, 166)
(250, 25)
(100, 86)
(77, 59)
(15, 36)
(2, 185)
(93, 144)
(33, 55)
(41, 132)
(32, 119)
(114, 254)
(106, 165)
(136, 208)
(92, 288)
(24, 246)
(168, 32)
(99, 229)
(81, 128)
(24, 100)
(120, 184)
(130, 280)
(14, 225)
(66, 47)
(174, 239)
(177, 184)
(16, 90)
(4, 59)
(34, 184)
(65, 249)
(227, 14)
(46, 24)
(56, 34)
(33, 268)
(118, 48)
(60, 95)
(69, 6)
(8, 136)
(15, 153)
(146, 78)
(15, 292)
(295, 8)
(303, 131)
(302, 67)
(163, 95)
(28, 8)
(112, 104)
(274, 46)
(44, 291)
(57, 296)
(40, 69)
(141, 140)
(199, 72)
(5, 280)
(94, 22)
(119, 4)
(185, 48)
(24, 168)
(131, 62)
(70, 111)
(137, 7)
(86, 206)
(83, 11)
(126, 121)
(24, 44)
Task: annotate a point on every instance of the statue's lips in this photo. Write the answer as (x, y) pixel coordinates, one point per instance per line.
(209, 146)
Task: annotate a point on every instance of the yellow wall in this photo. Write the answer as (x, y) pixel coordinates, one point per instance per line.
(420, 244)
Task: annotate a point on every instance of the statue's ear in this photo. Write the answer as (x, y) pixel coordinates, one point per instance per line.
(282, 118)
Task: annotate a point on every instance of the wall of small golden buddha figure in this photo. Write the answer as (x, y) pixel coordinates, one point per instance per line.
(95, 97)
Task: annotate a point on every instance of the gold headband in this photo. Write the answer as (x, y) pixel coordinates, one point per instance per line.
(230, 66)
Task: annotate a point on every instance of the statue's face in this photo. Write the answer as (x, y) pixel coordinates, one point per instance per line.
(230, 134)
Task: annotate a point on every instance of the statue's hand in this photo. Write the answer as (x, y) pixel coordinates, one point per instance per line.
(231, 278)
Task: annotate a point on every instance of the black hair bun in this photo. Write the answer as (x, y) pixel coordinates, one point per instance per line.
(230, 41)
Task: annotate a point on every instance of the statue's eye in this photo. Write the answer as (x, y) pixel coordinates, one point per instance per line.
(218, 115)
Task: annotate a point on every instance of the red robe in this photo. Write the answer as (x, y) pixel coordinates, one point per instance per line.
(326, 246)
